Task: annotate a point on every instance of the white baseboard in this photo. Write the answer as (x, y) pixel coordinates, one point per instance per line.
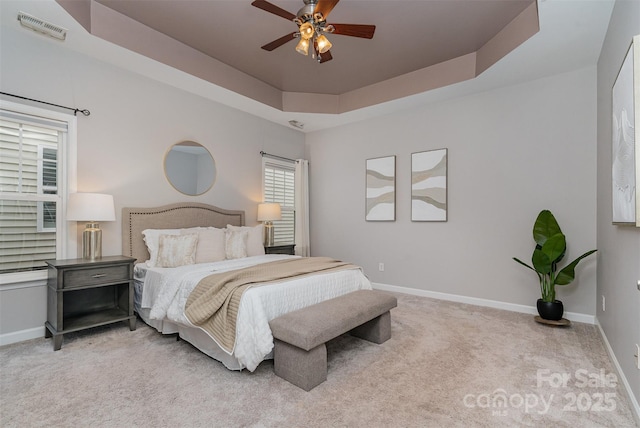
(635, 407)
(22, 335)
(573, 316)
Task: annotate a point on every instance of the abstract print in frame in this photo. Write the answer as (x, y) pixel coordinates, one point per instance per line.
(429, 185)
(381, 189)
(625, 158)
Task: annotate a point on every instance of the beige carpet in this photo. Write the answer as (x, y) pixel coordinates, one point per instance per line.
(447, 365)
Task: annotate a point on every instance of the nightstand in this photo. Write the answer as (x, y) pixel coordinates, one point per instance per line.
(85, 293)
(280, 249)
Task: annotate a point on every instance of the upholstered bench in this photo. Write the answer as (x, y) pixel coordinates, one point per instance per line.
(300, 354)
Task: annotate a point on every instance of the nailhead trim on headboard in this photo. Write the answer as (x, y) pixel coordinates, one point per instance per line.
(173, 216)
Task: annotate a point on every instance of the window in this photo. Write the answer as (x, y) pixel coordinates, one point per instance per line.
(278, 179)
(47, 184)
(31, 191)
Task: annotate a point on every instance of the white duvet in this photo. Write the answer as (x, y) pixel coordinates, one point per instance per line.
(166, 290)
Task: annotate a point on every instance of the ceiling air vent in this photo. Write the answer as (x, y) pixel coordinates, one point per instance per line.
(44, 27)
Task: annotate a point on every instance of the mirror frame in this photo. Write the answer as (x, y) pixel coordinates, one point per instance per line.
(171, 180)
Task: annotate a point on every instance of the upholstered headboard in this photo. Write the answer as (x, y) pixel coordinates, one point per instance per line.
(173, 216)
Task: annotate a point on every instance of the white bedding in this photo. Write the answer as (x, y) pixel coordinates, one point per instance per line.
(165, 292)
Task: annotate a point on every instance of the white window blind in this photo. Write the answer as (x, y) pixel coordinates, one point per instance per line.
(279, 186)
(47, 184)
(29, 190)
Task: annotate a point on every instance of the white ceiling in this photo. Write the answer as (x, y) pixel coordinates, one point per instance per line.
(570, 37)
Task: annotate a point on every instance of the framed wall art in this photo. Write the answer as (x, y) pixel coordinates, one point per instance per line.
(625, 156)
(429, 185)
(381, 189)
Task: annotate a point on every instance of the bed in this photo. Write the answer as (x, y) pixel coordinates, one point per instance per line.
(161, 293)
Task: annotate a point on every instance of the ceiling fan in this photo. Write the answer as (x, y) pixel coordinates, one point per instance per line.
(311, 20)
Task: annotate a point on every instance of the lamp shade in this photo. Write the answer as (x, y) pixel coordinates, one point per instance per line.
(90, 207)
(323, 44)
(303, 46)
(306, 30)
(269, 212)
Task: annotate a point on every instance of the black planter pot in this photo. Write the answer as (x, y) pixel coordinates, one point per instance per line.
(550, 310)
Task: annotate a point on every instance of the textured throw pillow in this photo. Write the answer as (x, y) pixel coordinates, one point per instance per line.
(255, 240)
(177, 250)
(151, 237)
(236, 244)
(211, 243)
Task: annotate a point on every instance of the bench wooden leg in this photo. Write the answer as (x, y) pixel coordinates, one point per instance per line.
(304, 369)
(378, 330)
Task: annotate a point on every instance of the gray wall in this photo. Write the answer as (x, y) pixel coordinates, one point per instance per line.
(121, 146)
(512, 152)
(619, 268)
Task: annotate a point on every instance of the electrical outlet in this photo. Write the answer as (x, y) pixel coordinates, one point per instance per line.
(637, 355)
(603, 306)
(381, 267)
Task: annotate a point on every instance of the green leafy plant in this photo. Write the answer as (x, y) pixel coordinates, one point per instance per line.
(551, 245)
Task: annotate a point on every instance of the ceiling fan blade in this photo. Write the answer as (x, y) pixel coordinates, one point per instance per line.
(325, 7)
(272, 8)
(355, 30)
(279, 42)
(325, 57)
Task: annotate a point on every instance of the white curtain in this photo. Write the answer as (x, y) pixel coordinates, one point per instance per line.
(302, 208)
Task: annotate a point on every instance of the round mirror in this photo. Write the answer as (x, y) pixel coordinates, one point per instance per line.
(190, 168)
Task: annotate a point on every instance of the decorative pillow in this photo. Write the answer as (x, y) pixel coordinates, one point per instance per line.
(255, 241)
(151, 237)
(236, 244)
(211, 243)
(177, 250)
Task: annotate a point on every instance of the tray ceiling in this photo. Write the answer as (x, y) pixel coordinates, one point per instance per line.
(418, 45)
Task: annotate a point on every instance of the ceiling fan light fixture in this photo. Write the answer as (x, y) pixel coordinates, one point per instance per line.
(303, 46)
(306, 30)
(323, 44)
(311, 21)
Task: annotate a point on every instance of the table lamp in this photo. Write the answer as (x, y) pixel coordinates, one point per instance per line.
(92, 208)
(267, 212)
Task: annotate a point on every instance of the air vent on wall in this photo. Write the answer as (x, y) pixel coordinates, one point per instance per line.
(41, 26)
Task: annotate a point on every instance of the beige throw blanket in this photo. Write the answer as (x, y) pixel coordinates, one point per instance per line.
(213, 304)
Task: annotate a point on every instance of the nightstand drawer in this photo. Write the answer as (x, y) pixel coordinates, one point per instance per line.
(100, 275)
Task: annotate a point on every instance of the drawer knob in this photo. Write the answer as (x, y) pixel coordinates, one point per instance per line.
(98, 275)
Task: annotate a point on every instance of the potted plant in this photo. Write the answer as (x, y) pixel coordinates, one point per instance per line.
(551, 245)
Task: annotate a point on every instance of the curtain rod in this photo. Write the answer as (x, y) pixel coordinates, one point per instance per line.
(75, 110)
(276, 156)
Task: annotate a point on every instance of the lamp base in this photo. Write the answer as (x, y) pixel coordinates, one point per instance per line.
(268, 234)
(92, 242)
